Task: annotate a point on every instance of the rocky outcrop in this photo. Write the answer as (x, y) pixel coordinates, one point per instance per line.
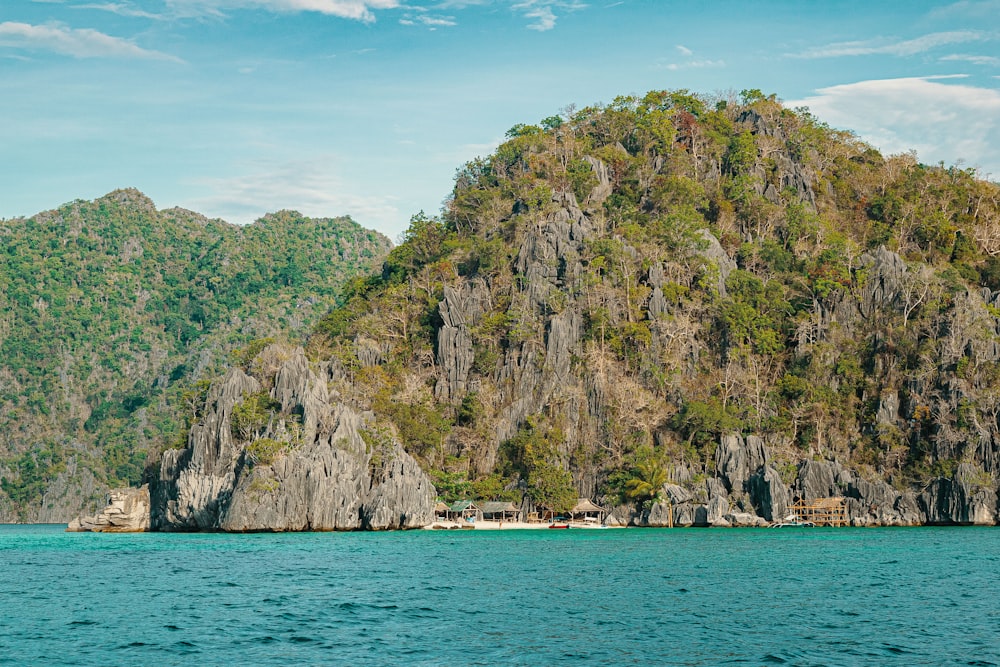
(768, 494)
(127, 511)
(737, 459)
(316, 464)
(959, 500)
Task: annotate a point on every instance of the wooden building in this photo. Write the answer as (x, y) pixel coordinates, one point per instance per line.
(822, 511)
(501, 511)
(465, 510)
(585, 510)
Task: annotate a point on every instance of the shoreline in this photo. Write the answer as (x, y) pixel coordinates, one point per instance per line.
(513, 525)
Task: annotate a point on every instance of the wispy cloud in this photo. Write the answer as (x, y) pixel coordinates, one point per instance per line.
(967, 9)
(908, 47)
(360, 10)
(79, 43)
(689, 61)
(312, 187)
(542, 13)
(940, 119)
(120, 8)
(428, 20)
(990, 61)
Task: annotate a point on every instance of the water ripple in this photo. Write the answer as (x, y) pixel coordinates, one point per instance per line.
(685, 597)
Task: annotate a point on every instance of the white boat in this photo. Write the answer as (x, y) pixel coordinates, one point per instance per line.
(793, 521)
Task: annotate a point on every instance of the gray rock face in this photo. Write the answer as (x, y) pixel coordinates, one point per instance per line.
(459, 309)
(324, 476)
(716, 254)
(737, 459)
(959, 500)
(127, 511)
(821, 479)
(769, 494)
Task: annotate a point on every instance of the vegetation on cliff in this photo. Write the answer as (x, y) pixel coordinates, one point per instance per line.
(615, 288)
(112, 313)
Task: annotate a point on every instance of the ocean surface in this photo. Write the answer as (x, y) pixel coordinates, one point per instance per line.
(913, 596)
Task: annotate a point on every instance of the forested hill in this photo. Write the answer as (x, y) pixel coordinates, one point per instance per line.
(616, 291)
(111, 312)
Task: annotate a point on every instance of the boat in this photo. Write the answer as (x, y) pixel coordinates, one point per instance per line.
(793, 521)
(558, 525)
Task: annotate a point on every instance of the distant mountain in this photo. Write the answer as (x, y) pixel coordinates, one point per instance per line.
(112, 312)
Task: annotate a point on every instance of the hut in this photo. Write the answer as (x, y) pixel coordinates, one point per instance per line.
(822, 511)
(585, 510)
(465, 510)
(501, 511)
(441, 511)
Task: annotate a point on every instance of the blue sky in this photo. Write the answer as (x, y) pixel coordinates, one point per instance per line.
(235, 108)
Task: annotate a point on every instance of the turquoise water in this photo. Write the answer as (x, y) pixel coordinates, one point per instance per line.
(917, 596)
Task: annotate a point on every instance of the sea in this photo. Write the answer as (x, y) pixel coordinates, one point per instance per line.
(791, 596)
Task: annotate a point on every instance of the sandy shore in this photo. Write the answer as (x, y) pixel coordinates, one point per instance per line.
(504, 525)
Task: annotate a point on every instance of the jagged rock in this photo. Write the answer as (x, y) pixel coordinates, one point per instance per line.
(660, 515)
(876, 503)
(886, 271)
(127, 511)
(744, 520)
(768, 494)
(676, 494)
(737, 459)
(716, 511)
(403, 497)
(959, 500)
(716, 254)
(888, 408)
(458, 309)
(195, 482)
(715, 488)
(821, 479)
(686, 515)
(603, 188)
(618, 516)
(325, 476)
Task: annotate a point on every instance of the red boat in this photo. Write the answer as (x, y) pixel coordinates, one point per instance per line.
(559, 525)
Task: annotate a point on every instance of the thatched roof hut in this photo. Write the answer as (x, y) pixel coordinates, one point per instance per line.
(585, 510)
(501, 511)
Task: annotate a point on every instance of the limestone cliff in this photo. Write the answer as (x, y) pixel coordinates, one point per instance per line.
(304, 461)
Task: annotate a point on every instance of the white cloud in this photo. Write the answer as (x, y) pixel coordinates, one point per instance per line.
(83, 43)
(688, 62)
(544, 17)
(428, 20)
(311, 187)
(974, 59)
(120, 8)
(907, 47)
(360, 10)
(987, 9)
(946, 122)
(541, 12)
(694, 64)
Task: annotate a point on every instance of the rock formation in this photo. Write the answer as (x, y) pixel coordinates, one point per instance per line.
(127, 511)
(316, 464)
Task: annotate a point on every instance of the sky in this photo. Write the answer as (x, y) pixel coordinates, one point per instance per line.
(236, 108)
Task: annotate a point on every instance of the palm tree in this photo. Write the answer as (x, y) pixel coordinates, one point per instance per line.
(647, 480)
